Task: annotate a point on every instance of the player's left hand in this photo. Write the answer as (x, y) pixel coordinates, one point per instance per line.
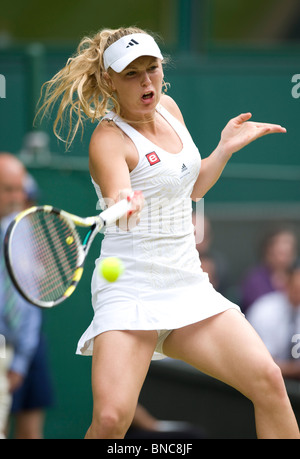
(239, 132)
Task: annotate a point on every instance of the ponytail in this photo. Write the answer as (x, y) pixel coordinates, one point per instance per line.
(80, 88)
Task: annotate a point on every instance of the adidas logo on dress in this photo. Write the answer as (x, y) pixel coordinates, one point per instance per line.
(184, 171)
(183, 168)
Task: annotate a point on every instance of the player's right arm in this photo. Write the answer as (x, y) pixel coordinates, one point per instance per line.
(111, 157)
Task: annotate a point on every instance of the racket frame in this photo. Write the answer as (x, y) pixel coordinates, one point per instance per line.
(95, 225)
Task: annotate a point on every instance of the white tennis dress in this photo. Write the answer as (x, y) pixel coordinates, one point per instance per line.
(163, 286)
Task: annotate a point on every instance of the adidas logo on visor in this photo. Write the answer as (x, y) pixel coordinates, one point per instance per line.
(132, 43)
(127, 49)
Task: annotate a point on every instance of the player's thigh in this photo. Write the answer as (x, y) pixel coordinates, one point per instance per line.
(121, 361)
(224, 346)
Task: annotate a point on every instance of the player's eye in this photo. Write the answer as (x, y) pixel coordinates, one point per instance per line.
(131, 73)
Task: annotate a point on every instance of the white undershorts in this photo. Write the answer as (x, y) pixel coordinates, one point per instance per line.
(162, 335)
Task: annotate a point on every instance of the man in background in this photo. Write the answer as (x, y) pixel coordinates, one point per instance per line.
(276, 318)
(20, 322)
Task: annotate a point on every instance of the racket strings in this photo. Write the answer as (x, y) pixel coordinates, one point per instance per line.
(46, 242)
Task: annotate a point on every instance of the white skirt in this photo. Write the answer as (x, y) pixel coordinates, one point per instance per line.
(156, 292)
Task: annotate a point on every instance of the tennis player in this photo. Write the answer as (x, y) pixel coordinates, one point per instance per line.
(164, 304)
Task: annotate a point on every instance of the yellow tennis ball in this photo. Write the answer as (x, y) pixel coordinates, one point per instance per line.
(70, 240)
(111, 268)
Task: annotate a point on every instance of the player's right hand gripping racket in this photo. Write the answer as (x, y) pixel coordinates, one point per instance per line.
(44, 253)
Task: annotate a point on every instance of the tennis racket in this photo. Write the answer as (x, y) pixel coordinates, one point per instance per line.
(45, 254)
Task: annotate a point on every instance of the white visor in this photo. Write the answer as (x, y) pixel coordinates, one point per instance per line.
(127, 49)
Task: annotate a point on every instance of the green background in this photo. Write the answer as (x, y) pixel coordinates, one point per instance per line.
(227, 57)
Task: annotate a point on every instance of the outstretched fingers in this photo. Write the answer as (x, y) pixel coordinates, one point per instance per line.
(268, 128)
(239, 132)
(242, 118)
(265, 127)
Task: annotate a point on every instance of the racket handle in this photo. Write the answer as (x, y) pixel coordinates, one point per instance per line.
(113, 213)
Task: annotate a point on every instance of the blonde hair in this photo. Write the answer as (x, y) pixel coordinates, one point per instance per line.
(80, 87)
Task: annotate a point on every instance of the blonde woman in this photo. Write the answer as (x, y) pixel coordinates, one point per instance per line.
(163, 305)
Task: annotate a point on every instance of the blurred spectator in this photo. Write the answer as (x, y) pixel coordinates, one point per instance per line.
(19, 322)
(36, 393)
(276, 318)
(278, 253)
(33, 397)
(21, 376)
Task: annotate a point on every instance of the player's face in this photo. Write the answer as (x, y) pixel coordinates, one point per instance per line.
(138, 87)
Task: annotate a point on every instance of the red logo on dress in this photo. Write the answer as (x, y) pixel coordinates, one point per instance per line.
(152, 158)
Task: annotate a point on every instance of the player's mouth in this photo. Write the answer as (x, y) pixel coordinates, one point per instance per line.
(148, 97)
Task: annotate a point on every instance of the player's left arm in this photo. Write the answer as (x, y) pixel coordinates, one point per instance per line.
(238, 133)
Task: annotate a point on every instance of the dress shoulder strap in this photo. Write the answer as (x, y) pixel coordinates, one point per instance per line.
(138, 139)
(171, 119)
